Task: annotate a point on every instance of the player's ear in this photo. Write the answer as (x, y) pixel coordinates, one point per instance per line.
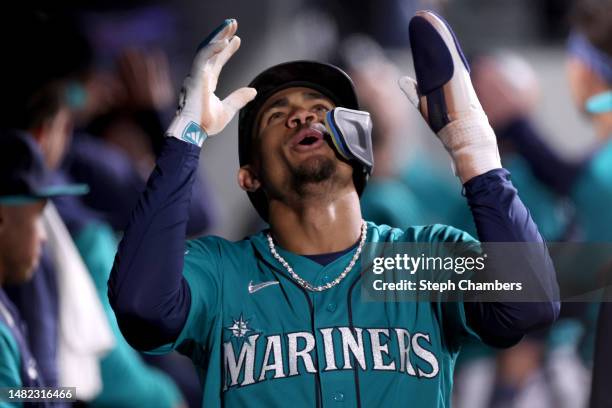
(247, 179)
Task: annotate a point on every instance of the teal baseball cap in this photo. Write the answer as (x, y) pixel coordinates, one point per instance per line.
(24, 177)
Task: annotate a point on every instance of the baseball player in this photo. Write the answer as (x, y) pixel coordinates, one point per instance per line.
(25, 187)
(276, 318)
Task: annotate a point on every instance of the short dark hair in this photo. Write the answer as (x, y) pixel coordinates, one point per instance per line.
(593, 18)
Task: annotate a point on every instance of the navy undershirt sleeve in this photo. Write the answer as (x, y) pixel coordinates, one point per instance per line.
(146, 289)
(500, 216)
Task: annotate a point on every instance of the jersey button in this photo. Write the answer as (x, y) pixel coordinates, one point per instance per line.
(331, 307)
(325, 278)
(338, 396)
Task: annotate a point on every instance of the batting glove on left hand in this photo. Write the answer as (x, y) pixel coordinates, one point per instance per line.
(444, 95)
(200, 112)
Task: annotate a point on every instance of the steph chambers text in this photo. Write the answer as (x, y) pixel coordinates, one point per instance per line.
(445, 286)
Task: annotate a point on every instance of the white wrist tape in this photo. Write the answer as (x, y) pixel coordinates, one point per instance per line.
(472, 145)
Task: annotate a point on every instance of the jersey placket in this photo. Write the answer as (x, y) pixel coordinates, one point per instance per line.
(330, 312)
(331, 321)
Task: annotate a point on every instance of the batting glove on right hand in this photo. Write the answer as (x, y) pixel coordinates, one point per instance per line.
(200, 112)
(444, 95)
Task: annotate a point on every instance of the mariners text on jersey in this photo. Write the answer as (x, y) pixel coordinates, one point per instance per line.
(344, 349)
(257, 337)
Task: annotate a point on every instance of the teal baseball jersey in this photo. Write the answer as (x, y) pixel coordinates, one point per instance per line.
(259, 339)
(592, 194)
(10, 363)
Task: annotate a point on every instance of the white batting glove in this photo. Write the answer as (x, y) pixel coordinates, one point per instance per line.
(446, 98)
(200, 112)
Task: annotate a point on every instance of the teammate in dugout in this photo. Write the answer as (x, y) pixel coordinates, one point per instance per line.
(277, 318)
(25, 186)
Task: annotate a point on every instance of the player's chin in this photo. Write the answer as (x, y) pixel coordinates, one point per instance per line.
(23, 272)
(315, 168)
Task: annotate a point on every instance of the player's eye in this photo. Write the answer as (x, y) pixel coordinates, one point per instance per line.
(320, 108)
(274, 116)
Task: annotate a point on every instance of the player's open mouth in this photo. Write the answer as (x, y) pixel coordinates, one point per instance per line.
(307, 139)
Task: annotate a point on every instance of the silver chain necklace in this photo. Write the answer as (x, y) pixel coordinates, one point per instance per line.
(307, 285)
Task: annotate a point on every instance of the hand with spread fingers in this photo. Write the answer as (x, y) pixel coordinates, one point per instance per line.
(200, 112)
(444, 95)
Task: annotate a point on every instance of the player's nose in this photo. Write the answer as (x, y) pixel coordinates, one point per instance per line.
(299, 117)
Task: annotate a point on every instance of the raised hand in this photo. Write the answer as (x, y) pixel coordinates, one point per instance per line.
(444, 95)
(200, 112)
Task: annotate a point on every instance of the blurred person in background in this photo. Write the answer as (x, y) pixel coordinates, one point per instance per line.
(25, 187)
(33, 101)
(509, 91)
(535, 369)
(40, 104)
(590, 76)
(125, 97)
(585, 182)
